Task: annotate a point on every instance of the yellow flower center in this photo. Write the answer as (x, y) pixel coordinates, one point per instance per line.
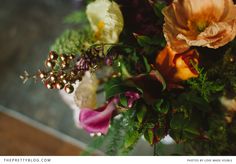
(201, 25)
(198, 25)
(100, 27)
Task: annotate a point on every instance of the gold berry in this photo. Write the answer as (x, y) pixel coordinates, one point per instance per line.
(73, 73)
(59, 85)
(71, 56)
(69, 88)
(50, 64)
(232, 59)
(42, 75)
(49, 85)
(62, 76)
(64, 64)
(53, 55)
(64, 81)
(63, 57)
(53, 78)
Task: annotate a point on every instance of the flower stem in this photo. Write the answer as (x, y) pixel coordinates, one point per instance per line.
(155, 151)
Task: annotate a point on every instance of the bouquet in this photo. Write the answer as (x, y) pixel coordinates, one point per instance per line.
(165, 68)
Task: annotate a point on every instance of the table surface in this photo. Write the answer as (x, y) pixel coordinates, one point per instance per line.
(20, 138)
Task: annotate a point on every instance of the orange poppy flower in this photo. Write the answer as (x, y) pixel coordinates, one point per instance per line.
(204, 23)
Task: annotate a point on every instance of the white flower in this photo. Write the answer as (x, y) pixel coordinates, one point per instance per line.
(106, 20)
(85, 94)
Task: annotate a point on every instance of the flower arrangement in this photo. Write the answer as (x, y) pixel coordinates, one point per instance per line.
(168, 68)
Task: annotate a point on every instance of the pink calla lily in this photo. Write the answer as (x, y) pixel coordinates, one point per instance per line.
(98, 121)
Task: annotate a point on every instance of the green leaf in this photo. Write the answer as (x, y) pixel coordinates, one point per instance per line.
(147, 65)
(123, 100)
(113, 81)
(184, 128)
(141, 111)
(164, 109)
(204, 86)
(149, 136)
(158, 6)
(115, 90)
(161, 106)
(131, 139)
(177, 121)
(192, 100)
(124, 71)
(115, 87)
(157, 76)
(160, 132)
(176, 135)
(157, 104)
(150, 44)
(192, 126)
(146, 41)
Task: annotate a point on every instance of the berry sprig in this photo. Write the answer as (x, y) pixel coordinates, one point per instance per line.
(61, 73)
(63, 70)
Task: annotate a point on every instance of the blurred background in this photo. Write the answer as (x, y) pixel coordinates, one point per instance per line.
(34, 120)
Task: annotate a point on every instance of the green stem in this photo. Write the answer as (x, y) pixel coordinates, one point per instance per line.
(155, 152)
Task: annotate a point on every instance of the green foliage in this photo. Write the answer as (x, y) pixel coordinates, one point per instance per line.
(77, 17)
(157, 75)
(117, 87)
(147, 65)
(161, 106)
(131, 63)
(72, 42)
(224, 71)
(158, 6)
(189, 101)
(123, 134)
(133, 132)
(205, 87)
(96, 143)
(182, 128)
(141, 111)
(217, 142)
(149, 136)
(150, 44)
(217, 134)
(115, 137)
(131, 138)
(231, 135)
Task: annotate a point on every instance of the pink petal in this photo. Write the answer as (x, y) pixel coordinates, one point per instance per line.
(97, 121)
(131, 97)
